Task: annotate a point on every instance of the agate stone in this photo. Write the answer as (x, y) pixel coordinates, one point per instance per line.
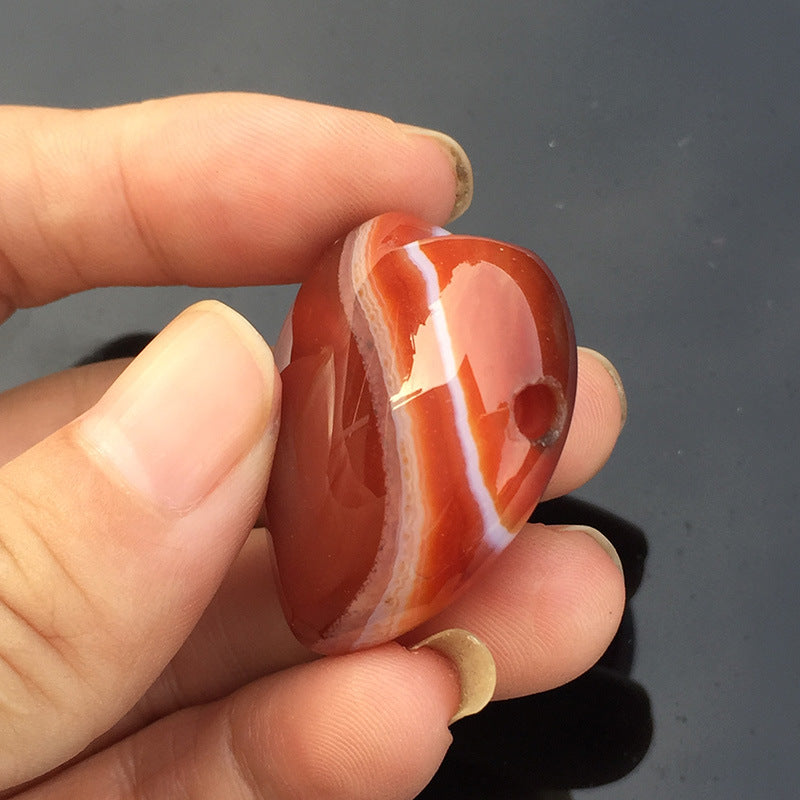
(428, 384)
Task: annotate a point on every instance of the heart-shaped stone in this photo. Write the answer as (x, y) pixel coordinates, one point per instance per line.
(428, 385)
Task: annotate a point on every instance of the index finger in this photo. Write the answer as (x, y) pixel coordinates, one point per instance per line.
(207, 190)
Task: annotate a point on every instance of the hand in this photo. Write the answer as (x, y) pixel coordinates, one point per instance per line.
(141, 635)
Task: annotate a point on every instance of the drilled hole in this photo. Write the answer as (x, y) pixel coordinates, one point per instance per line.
(539, 412)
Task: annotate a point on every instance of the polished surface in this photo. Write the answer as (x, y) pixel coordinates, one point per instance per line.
(650, 152)
(428, 386)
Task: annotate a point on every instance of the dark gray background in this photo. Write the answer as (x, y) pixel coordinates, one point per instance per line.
(650, 152)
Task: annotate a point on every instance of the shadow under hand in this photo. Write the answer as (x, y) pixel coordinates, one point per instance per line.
(590, 732)
(128, 346)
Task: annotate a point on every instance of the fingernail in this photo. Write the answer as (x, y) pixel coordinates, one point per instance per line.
(600, 539)
(612, 371)
(461, 167)
(188, 409)
(474, 663)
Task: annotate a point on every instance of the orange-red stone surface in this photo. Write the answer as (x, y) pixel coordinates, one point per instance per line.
(428, 384)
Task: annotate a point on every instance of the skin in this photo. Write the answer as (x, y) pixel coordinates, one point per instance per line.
(141, 639)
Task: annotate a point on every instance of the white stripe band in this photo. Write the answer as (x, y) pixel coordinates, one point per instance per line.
(495, 533)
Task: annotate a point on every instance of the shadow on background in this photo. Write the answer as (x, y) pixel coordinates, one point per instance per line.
(590, 732)
(126, 346)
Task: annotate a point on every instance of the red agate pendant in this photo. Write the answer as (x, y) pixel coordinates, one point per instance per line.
(428, 384)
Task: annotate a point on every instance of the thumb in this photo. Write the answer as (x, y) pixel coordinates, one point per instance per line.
(116, 531)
